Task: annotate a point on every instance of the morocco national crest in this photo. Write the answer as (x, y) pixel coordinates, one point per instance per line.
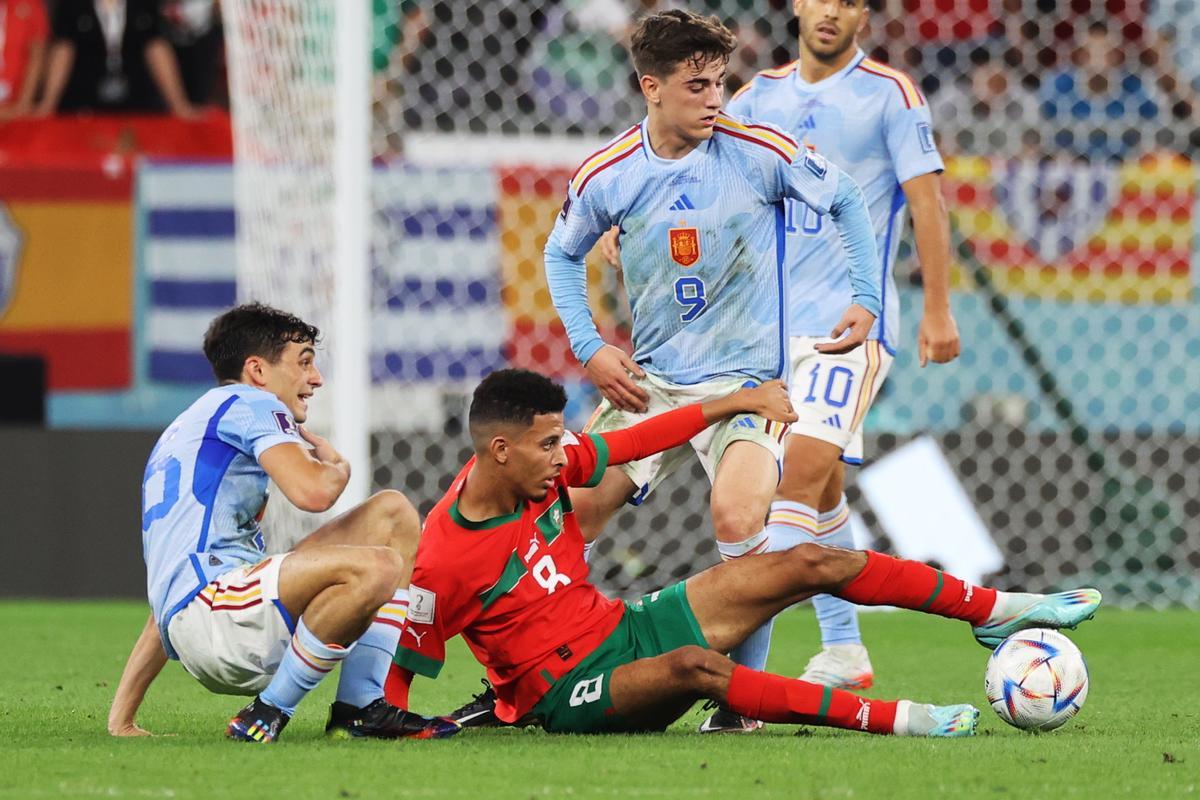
(685, 245)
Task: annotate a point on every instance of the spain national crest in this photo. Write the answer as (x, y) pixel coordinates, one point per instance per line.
(685, 245)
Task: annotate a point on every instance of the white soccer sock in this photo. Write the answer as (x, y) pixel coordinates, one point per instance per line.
(1009, 604)
(758, 543)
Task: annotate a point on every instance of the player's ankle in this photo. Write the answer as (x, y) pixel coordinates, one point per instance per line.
(1009, 603)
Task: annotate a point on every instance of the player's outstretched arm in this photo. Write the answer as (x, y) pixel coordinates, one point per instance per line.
(675, 427)
(312, 480)
(145, 661)
(937, 337)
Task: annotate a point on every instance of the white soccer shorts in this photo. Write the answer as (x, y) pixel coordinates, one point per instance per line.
(233, 635)
(832, 393)
(709, 445)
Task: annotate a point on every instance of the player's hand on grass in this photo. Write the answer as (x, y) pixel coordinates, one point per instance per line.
(610, 371)
(937, 338)
(127, 729)
(610, 246)
(770, 400)
(855, 324)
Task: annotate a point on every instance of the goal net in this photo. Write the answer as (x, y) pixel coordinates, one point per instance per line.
(1072, 418)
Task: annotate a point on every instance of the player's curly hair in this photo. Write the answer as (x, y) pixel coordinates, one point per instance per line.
(248, 330)
(515, 397)
(661, 42)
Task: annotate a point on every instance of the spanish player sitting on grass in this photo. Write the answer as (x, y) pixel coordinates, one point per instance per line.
(699, 197)
(501, 562)
(242, 622)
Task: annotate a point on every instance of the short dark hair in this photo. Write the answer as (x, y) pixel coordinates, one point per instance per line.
(663, 41)
(248, 330)
(514, 397)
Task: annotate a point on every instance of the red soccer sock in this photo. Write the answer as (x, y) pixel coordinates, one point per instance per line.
(395, 686)
(774, 698)
(888, 581)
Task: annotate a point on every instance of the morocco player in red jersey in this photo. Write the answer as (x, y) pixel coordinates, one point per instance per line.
(501, 562)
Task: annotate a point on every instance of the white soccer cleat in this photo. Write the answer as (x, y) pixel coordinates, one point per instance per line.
(841, 666)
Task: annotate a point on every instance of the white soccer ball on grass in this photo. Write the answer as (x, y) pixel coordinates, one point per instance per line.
(1036, 680)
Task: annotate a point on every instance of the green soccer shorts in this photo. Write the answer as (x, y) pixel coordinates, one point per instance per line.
(579, 702)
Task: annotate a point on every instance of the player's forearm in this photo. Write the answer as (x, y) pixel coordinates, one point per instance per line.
(325, 485)
(145, 661)
(931, 231)
(657, 433)
(853, 220)
(567, 279)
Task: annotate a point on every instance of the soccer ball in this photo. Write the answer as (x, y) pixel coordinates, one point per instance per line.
(1036, 680)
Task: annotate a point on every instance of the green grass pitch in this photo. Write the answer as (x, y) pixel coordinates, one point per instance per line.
(1138, 735)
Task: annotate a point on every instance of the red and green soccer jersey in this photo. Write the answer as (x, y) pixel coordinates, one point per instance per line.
(516, 588)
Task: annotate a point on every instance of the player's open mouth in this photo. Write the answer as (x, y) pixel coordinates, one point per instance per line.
(826, 33)
(709, 121)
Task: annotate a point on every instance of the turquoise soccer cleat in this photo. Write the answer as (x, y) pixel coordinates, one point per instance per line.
(941, 722)
(1061, 610)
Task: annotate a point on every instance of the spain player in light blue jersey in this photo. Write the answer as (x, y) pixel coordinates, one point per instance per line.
(244, 622)
(698, 195)
(874, 122)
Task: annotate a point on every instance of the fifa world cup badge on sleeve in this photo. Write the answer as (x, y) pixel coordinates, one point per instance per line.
(421, 603)
(925, 136)
(816, 164)
(285, 423)
(685, 245)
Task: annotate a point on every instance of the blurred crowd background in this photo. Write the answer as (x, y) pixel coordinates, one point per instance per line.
(1091, 79)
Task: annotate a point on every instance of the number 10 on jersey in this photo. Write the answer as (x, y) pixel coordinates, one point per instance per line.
(689, 293)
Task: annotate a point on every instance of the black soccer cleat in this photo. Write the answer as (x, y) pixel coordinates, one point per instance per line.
(481, 712)
(722, 720)
(258, 722)
(381, 720)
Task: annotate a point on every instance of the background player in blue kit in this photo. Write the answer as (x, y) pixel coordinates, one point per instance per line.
(242, 622)
(873, 121)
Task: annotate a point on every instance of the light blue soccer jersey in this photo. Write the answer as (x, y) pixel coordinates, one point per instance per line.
(203, 491)
(701, 247)
(874, 123)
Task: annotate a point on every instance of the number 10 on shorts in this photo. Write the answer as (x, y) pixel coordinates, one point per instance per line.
(587, 691)
(838, 382)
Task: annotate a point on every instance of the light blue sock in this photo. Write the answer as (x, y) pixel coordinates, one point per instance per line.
(754, 650)
(305, 663)
(366, 668)
(838, 618)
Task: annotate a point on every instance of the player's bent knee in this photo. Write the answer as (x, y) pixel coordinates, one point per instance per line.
(396, 511)
(695, 667)
(734, 522)
(817, 566)
(380, 575)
